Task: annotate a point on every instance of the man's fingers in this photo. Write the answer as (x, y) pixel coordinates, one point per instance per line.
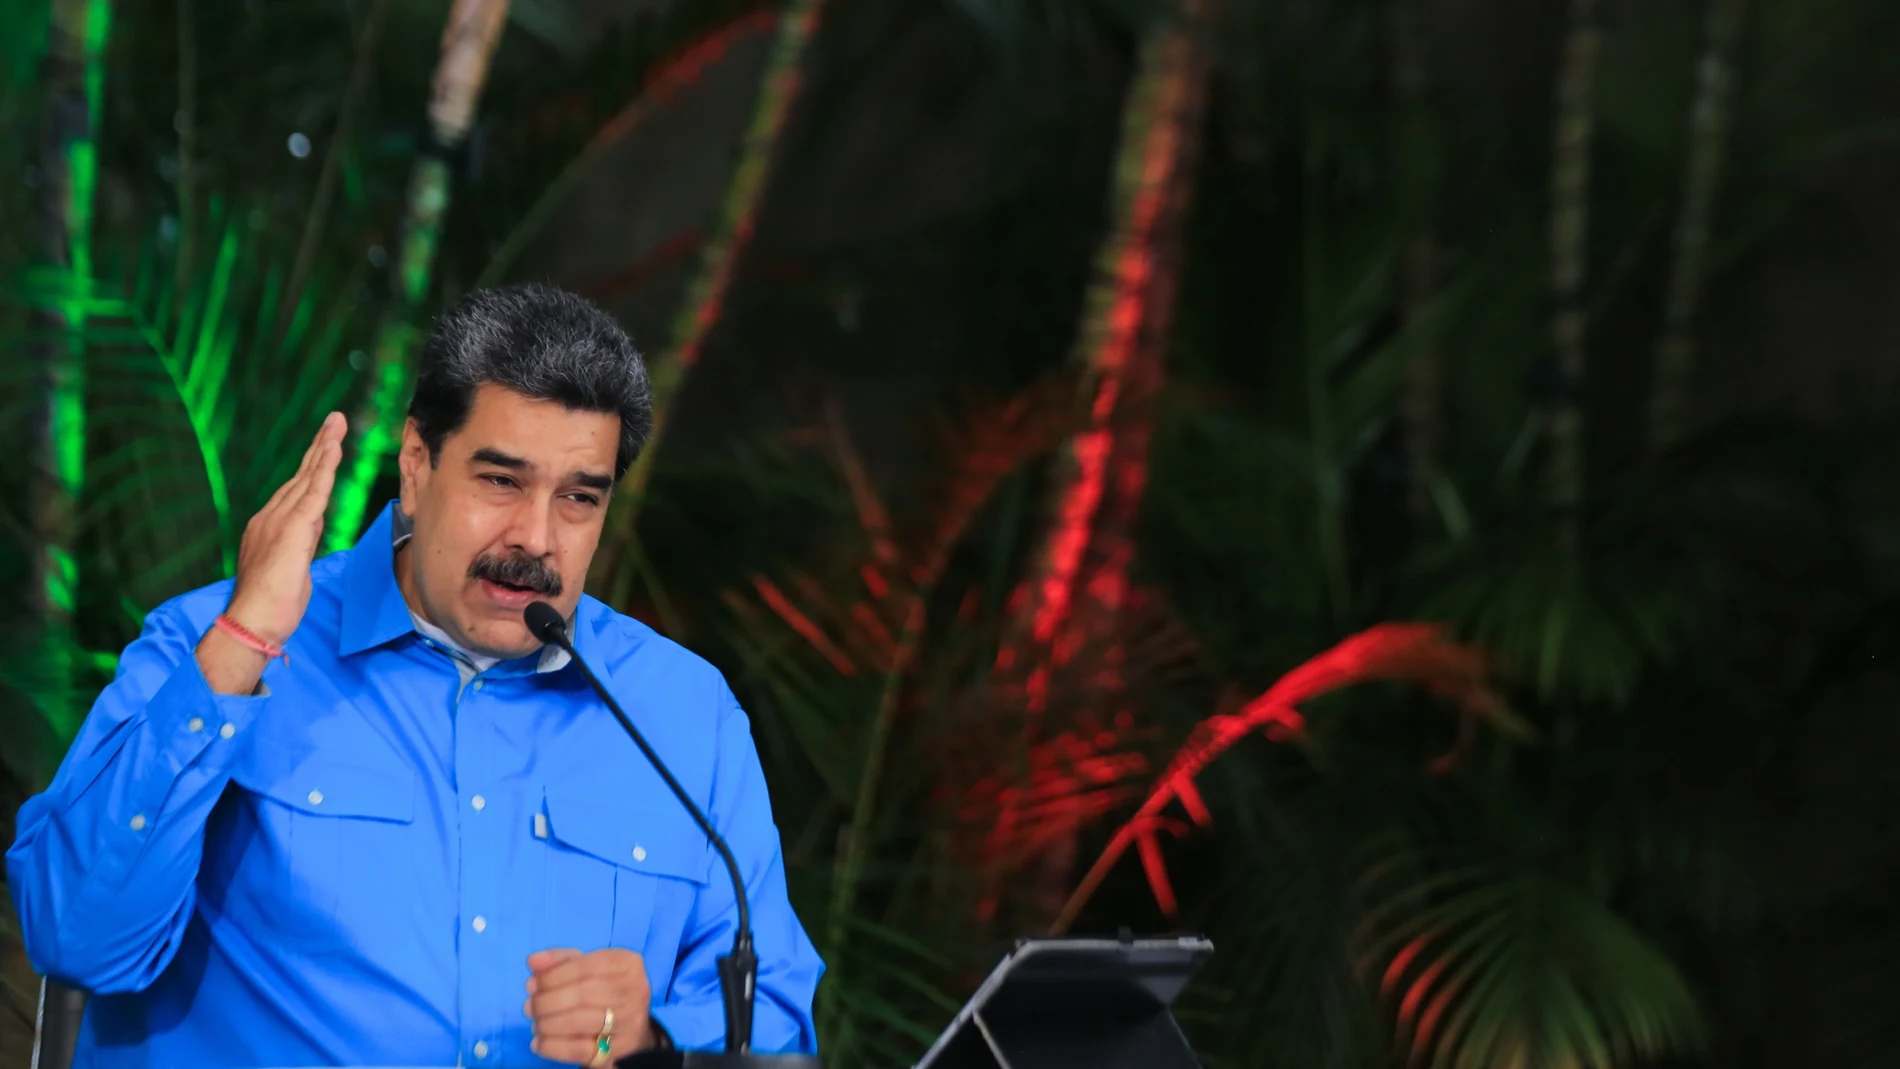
(317, 485)
(568, 997)
(561, 1001)
(582, 969)
(581, 1024)
(310, 454)
(552, 1001)
(277, 497)
(574, 965)
(295, 482)
(542, 960)
(312, 494)
(566, 1051)
(316, 446)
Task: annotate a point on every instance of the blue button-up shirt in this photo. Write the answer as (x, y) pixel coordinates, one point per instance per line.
(353, 867)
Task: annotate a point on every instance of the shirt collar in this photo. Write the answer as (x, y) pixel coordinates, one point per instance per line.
(375, 612)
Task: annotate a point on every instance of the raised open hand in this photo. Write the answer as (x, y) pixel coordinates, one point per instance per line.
(273, 568)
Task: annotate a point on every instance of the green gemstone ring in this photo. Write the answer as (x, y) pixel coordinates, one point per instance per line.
(604, 1043)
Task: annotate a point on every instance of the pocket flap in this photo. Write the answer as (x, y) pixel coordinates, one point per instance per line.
(639, 838)
(327, 788)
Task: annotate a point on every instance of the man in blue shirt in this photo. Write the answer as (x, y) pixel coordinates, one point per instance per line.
(350, 812)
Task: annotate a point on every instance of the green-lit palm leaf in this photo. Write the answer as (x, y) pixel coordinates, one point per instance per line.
(196, 418)
(894, 990)
(1281, 989)
(1497, 965)
(1569, 626)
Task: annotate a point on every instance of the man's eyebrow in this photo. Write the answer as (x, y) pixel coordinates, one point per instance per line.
(592, 480)
(489, 455)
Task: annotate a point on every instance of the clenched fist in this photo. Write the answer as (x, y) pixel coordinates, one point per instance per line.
(273, 568)
(570, 995)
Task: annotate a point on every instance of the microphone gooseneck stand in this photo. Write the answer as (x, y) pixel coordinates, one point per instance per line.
(739, 969)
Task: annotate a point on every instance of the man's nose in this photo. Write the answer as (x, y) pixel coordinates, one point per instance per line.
(530, 532)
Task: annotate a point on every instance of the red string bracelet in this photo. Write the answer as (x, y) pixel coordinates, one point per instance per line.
(246, 638)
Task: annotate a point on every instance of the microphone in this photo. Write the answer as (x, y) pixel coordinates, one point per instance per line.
(738, 970)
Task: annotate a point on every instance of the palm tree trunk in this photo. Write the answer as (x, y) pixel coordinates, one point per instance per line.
(362, 70)
(1708, 144)
(706, 297)
(73, 78)
(1078, 588)
(468, 43)
(1569, 241)
(705, 302)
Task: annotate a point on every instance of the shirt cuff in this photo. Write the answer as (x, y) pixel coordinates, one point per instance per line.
(187, 718)
(186, 743)
(694, 1026)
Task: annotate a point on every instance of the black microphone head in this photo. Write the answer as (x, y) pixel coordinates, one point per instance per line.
(545, 623)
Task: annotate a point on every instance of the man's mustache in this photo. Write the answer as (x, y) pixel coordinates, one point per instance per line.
(532, 573)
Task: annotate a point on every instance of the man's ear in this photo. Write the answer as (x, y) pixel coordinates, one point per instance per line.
(413, 462)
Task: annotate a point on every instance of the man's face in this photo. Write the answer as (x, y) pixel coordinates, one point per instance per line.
(508, 514)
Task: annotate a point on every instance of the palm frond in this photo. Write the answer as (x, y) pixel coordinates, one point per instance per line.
(1569, 624)
(207, 408)
(894, 990)
(1412, 653)
(1501, 965)
(1283, 986)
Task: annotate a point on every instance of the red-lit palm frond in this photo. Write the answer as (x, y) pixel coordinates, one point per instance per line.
(1014, 795)
(856, 618)
(1072, 779)
(1417, 654)
(984, 446)
(553, 119)
(859, 619)
(1498, 965)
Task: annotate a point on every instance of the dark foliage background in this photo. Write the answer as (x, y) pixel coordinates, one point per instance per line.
(1673, 839)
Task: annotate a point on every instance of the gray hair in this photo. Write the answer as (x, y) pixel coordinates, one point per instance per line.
(541, 342)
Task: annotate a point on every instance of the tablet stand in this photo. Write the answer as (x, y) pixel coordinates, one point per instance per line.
(1077, 1004)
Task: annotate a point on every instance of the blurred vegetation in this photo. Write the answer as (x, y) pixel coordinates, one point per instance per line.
(1463, 303)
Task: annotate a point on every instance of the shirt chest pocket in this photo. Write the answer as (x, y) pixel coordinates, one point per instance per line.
(611, 867)
(334, 842)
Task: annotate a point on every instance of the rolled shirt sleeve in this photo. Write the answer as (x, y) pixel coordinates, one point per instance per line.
(104, 863)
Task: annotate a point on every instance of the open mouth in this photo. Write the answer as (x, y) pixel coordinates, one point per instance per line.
(513, 582)
(509, 594)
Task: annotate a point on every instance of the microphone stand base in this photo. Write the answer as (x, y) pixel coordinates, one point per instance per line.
(704, 1059)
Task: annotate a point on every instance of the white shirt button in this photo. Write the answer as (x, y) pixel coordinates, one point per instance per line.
(639, 853)
(227, 731)
(478, 802)
(481, 924)
(138, 822)
(316, 797)
(195, 724)
(481, 1049)
(478, 684)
